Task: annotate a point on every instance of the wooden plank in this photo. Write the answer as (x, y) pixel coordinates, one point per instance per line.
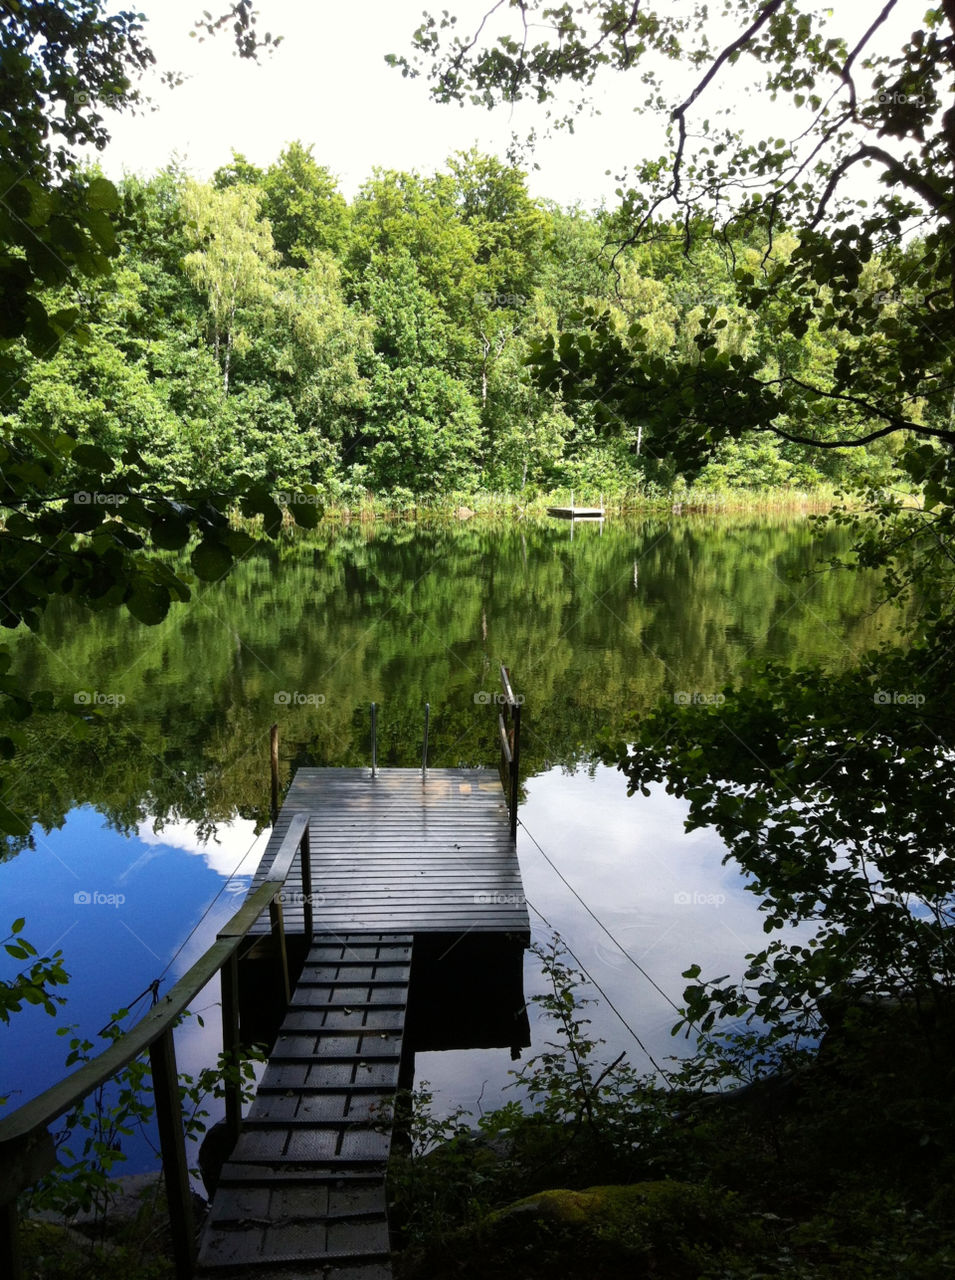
(305, 1184)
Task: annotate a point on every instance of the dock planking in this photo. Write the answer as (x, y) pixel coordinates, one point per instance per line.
(398, 851)
(304, 1187)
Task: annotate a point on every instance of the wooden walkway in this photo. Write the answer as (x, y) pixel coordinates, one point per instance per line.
(305, 1186)
(392, 855)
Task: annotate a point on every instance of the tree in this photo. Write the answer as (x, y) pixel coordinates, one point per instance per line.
(864, 106)
(825, 788)
(63, 66)
(232, 259)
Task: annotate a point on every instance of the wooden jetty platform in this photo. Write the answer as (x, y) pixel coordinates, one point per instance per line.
(573, 512)
(393, 850)
(399, 859)
(576, 513)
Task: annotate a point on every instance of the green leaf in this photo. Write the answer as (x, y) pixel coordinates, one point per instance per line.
(148, 602)
(101, 194)
(93, 457)
(211, 560)
(170, 533)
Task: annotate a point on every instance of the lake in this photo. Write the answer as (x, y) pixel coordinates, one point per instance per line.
(148, 821)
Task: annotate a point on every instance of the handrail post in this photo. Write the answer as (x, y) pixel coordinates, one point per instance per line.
(305, 851)
(374, 739)
(162, 1061)
(274, 763)
(10, 1261)
(229, 978)
(515, 765)
(424, 749)
(278, 934)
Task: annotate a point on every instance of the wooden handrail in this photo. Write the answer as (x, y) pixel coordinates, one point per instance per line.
(26, 1149)
(510, 747)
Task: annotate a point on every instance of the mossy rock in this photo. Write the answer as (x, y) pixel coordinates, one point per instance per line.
(665, 1230)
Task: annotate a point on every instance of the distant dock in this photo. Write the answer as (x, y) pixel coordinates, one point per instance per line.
(576, 513)
(573, 512)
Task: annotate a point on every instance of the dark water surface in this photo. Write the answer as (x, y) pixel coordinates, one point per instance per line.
(147, 829)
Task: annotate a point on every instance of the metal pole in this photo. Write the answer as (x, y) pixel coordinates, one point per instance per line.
(162, 1062)
(274, 759)
(374, 739)
(424, 749)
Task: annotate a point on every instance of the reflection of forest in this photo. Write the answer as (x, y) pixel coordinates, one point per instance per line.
(593, 630)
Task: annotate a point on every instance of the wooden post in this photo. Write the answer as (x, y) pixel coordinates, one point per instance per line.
(306, 855)
(374, 739)
(162, 1061)
(424, 749)
(515, 764)
(278, 933)
(274, 759)
(229, 978)
(10, 1261)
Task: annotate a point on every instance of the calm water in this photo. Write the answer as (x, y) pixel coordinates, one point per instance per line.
(146, 830)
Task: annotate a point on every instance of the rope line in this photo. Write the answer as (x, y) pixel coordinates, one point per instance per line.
(656, 986)
(225, 884)
(594, 983)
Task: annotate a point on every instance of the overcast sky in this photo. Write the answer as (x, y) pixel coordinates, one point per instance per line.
(328, 84)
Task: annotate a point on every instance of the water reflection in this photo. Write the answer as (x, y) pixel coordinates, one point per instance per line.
(307, 635)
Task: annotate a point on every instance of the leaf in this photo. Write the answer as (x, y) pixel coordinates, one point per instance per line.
(18, 924)
(101, 194)
(93, 457)
(148, 602)
(211, 560)
(170, 533)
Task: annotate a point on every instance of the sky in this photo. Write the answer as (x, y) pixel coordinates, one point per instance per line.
(328, 84)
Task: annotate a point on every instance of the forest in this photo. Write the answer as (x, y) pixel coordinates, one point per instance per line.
(262, 326)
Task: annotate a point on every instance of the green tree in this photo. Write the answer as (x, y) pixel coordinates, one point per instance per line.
(864, 106)
(231, 263)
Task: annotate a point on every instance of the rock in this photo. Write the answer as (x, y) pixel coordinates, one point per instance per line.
(673, 1229)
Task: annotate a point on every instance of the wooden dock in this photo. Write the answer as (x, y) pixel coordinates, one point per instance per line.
(398, 851)
(576, 513)
(394, 854)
